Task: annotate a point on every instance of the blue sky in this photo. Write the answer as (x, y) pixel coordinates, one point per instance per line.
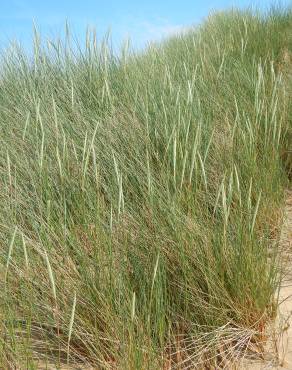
(143, 21)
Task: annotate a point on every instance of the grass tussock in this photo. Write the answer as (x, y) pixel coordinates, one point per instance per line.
(140, 195)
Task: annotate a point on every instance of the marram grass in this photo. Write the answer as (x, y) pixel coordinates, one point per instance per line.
(141, 194)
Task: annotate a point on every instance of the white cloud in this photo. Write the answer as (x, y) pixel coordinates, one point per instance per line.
(159, 30)
(142, 32)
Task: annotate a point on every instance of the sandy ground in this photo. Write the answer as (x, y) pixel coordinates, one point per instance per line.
(279, 349)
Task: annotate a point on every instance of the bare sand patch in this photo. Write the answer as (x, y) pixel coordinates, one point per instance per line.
(278, 350)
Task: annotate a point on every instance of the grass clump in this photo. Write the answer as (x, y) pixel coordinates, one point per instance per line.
(140, 196)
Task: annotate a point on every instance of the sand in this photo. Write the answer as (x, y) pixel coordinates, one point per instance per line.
(278, 351)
